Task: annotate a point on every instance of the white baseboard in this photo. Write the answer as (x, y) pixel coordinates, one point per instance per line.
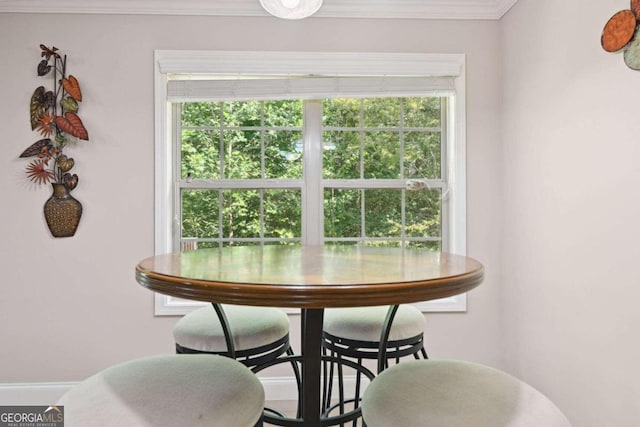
(32, 393)
(276, 389)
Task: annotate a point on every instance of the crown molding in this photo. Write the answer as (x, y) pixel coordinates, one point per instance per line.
(376, 9)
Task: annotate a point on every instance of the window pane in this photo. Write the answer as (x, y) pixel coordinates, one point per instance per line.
(201, 114)
(383, 212)
(423, 213)
(341, 243)
(384, 243)
(434, 246)
(204, 245)
(199, 213)
(422, 112)
(381, 112)
(341, 158)
(242, 154)
(381, 155)
(283, 113)
(422, 155)
(241, 213)
(242, 113)
(200, 154)
(239, 243)
(341, 112)
(283, 154)
(342, 213)
(283, 213)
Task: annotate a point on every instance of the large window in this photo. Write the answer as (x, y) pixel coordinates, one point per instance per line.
(245, 165)
(317, 157)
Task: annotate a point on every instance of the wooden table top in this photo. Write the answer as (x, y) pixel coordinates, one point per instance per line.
(310, 276)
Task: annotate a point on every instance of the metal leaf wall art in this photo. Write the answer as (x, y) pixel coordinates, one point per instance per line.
(54, 115)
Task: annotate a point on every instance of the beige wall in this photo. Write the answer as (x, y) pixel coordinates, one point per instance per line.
(553, 211)
(70, 307)
(571, 174)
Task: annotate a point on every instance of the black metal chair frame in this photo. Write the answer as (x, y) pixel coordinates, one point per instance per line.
(275, 417)
(382, 350)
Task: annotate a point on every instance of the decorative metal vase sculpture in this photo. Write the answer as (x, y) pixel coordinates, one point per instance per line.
(54, 115)
(62, 212)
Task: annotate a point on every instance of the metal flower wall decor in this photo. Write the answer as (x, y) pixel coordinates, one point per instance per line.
(54, 114)
(621, 34)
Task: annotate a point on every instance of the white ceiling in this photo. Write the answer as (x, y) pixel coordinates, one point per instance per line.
(399, 9)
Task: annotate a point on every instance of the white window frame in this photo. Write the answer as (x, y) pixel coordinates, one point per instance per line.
(307, 63)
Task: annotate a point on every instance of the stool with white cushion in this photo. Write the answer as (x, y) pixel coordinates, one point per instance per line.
(451, 393)
(167, 391)
(252, 335)
(380, 333)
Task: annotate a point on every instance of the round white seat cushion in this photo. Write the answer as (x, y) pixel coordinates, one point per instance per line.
(251, 327)
(365, 323)
(168, 390)
(449, 393)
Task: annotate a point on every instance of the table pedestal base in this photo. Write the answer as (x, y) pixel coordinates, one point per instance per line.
(314, 411)
(274, 417)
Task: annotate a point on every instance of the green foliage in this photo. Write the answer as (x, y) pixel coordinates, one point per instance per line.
(385, 138)
(200, 213)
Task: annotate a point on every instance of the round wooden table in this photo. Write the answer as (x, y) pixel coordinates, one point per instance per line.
(311, 278)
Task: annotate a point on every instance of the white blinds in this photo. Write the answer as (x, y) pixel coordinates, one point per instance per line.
(226, 89)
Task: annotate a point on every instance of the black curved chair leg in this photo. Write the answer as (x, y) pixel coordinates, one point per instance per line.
(341, 387)
(356, 401)
(296, 372)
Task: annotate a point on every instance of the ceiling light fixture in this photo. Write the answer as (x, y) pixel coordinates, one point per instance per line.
(291, 9)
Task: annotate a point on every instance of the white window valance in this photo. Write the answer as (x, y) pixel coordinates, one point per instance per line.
(218, 76)
(309, 63)
(226, 89)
